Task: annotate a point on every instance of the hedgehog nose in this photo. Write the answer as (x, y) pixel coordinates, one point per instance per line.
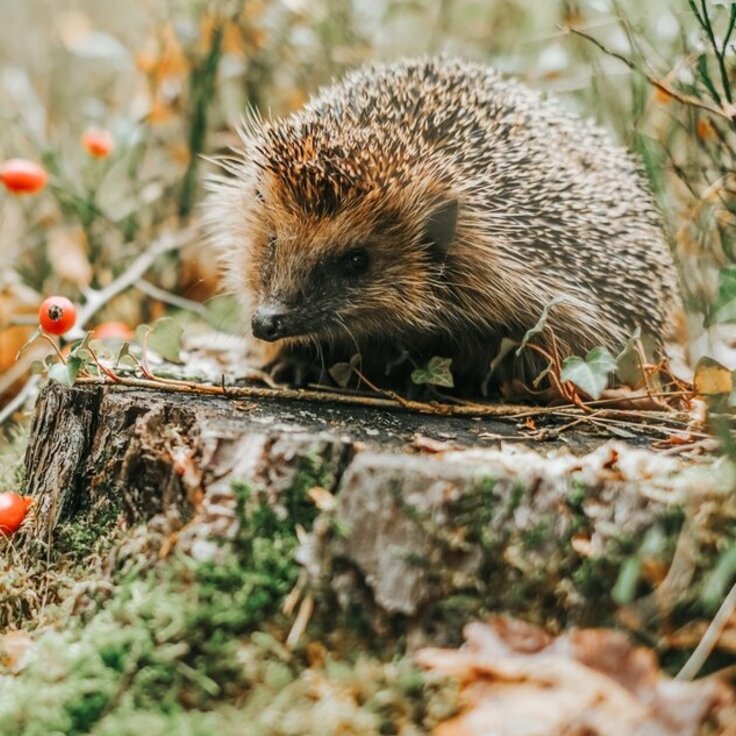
(269, 322)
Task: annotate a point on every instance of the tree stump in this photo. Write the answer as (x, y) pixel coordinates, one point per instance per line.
(419, 526)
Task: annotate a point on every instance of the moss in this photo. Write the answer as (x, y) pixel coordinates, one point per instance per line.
(576, 495)
(535, 538)
(87, 531)
(184, 638)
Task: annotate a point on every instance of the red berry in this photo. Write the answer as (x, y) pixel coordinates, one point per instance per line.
(57, 315)
(13, 509)
(98, 142)
(113, 331)
(23, 177)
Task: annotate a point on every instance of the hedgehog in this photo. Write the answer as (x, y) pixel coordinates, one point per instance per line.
(432, 207)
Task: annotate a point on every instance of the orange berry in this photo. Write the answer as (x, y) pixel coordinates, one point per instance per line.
(13, 509)
(57, 315)
(23, 177)
(98, 142)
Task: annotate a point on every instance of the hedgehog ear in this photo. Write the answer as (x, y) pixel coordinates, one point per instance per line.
(439, 229)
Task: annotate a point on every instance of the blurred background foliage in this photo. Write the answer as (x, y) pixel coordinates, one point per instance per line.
(170, 80)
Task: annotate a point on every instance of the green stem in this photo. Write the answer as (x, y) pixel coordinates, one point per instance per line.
(202, 85)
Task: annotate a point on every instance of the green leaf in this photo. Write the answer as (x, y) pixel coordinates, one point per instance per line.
(37, 367)
(590, 373)
(81, 350)
(437, 373)
(124, 356)
(67, 373)
(704, 74)
(164, 338)
(724, 308)
(541, 322)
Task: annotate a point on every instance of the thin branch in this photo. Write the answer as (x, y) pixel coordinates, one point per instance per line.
(19, 399)
(706, 645)
(658, 422)
(671, 91)
(708, 27)
(96, 299)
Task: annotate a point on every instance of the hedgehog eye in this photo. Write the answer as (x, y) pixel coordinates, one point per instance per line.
(355, 262)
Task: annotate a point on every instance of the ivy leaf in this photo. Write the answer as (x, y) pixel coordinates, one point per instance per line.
(163, 338)
(124, 356)
(66, 373)
(590, 373)
(437, 373)
(541, 322)
(81, 349)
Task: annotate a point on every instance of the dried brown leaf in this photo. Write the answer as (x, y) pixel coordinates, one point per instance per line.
(523, 682)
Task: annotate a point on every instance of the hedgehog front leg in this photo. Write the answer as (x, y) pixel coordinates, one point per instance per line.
(297, 366)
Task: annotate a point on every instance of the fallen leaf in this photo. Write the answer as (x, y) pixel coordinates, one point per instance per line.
(518, 681)
(712, 378)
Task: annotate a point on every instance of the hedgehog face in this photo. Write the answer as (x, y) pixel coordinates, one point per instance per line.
(365, 269)
(329, 237)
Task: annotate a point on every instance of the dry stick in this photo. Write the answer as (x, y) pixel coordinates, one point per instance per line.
(253, 392)
(684, 99)
(594, 404)
(509, 411)
(706, 645)
(96, 299)
(405, 403)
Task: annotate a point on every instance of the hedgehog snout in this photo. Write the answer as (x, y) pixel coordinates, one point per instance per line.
(270, 321)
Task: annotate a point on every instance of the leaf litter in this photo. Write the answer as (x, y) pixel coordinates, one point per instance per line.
(516, 680)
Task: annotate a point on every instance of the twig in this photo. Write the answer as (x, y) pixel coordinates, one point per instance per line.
(255, 392)
(156, 292)
(50, 341)
(506, 411)
(98, 298)
(671, 91)
(302, 620)
(383, 392)
(706, 645)
(19, 399)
